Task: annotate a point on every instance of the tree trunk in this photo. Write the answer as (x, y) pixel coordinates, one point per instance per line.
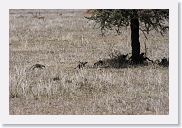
(135, 43)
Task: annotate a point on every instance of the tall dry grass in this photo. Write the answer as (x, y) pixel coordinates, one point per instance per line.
(59, 41)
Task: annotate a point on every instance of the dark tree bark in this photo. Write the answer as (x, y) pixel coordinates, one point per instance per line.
(135, 43)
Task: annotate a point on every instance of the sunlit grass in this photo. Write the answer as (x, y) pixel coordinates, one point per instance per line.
(59, 42)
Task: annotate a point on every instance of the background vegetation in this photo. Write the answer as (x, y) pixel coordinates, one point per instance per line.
(59, 39)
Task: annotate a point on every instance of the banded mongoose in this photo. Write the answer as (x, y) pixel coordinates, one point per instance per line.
(164, 62)
(99, 63)
(81, 65)
(40, 66)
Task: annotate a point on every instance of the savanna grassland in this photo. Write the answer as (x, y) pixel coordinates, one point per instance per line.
(59, 39)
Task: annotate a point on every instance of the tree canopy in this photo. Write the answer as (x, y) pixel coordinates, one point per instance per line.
(150, 19)
(144, 20)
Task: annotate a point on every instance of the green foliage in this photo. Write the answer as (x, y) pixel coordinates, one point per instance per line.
(150, 19)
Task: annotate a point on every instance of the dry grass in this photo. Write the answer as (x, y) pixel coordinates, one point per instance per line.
(59, 41)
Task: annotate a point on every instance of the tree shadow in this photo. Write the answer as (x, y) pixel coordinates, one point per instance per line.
(124, 61)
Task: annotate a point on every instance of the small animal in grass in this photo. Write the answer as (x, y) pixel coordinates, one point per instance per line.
(81, 65)
(38, 66)
(144, 58)
(124, 56)
(164, 62)
(98, 63)
(56, 78)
